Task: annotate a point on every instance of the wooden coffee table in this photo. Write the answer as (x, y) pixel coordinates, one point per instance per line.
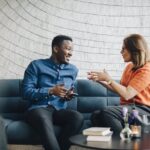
(79, 143)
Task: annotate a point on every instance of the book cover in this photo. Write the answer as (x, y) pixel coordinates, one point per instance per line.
(96, 131)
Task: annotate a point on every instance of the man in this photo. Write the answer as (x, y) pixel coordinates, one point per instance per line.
(48, 84)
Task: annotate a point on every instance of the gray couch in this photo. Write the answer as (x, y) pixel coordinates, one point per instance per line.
(92, 96)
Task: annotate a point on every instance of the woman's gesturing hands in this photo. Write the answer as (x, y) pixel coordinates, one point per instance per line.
(99, 76)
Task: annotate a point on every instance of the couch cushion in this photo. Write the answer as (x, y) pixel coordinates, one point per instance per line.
(13, 104)
(113, 98)
(113, 101)
(10, 88)
(90, 88)
(92, 96)
(19, 132)
(89, 104)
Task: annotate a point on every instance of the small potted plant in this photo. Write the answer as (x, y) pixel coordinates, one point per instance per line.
(132, 124)
(126, 132)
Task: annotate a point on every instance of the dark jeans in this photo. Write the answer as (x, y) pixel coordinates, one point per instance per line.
(44, 119)
(3, 141)
(112, 116)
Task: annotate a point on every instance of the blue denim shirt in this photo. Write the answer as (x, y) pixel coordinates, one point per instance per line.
(43, 74)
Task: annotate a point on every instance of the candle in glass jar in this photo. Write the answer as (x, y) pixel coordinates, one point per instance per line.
(136, 130)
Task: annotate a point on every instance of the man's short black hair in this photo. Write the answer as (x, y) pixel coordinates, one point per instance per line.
(57, 40)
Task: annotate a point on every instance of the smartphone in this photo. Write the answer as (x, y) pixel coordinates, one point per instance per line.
(74, 94)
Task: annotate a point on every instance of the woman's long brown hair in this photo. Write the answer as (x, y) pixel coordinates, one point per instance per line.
(138, 48)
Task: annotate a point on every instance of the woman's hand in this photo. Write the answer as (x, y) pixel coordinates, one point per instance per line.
(99, 76)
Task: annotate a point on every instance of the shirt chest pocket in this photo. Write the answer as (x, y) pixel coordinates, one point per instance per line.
(46, 80)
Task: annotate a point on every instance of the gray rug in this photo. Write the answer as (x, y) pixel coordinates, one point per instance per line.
(25, 147)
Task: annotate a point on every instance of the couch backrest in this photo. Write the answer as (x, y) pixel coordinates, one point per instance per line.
(11, 103)
(92, 96)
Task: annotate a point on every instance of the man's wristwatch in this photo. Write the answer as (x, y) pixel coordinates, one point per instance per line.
(110, 82)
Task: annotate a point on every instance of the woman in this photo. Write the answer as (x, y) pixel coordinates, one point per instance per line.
(134, 87)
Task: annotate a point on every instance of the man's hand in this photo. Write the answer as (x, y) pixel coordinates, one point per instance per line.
(61, 91)
(58, 90)
(69, 94)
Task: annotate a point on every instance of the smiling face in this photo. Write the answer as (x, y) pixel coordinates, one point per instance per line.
(125, 54)
(63, 52)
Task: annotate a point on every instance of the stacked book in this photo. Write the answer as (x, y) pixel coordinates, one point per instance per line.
(98, 134)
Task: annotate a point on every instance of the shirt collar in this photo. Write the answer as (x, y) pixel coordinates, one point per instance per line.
(60, 66)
